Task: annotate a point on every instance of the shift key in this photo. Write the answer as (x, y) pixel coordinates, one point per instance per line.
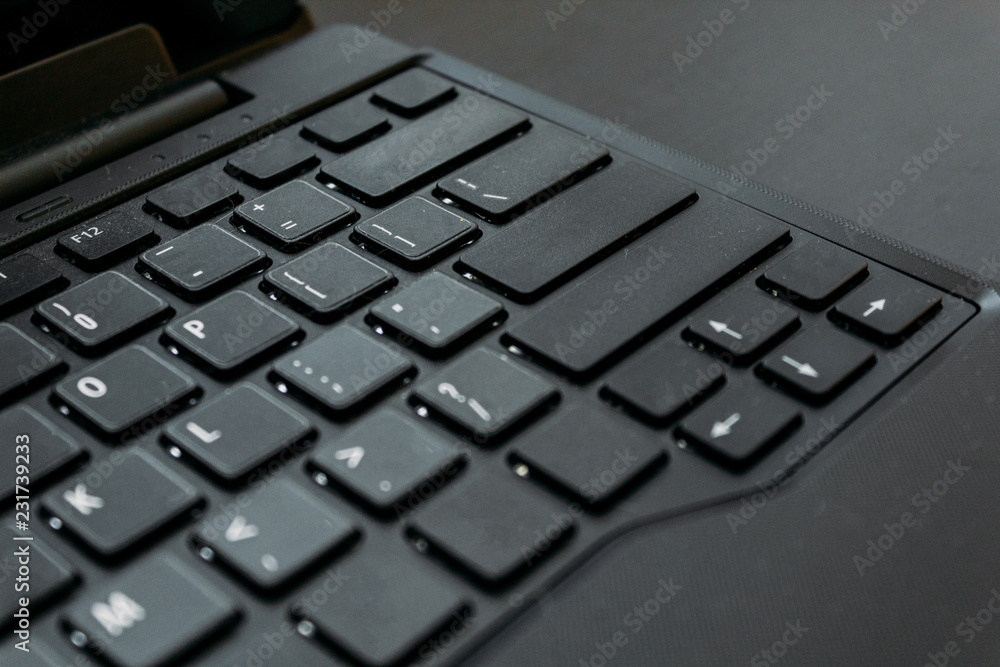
(671, 271)
(560, 239)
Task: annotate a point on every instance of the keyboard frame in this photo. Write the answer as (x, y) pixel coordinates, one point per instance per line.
(494, 609)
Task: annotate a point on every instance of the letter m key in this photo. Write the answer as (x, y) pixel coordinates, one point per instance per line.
(119, 613)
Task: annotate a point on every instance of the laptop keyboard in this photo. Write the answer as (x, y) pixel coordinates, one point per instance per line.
(373, 382)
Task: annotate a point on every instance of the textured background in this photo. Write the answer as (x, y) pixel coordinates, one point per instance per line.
(891, 91)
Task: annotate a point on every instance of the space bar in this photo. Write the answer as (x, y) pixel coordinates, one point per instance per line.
(671, 271)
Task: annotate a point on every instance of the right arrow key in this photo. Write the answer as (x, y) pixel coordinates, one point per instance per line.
(818, 364)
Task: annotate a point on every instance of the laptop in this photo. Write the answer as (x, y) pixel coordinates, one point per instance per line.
(324, 350)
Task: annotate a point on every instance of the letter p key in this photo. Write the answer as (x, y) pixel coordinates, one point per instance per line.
(196, 327)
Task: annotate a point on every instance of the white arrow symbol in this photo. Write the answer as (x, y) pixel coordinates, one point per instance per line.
(725, 427)
(804, 369)
(203, 435)
(352, 454)
(239, 529)
(722, 327)
(875, 305)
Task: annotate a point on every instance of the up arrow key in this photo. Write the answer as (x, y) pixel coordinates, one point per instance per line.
(875, 305)
(352, 455)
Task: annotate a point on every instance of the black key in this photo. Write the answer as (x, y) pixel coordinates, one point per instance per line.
(104, 241)
(46, 450)
(156, 612)
(664, 381)
(578, 228)
(384, 460)
(194, 199)
(524, 173)
(386, 606)
(346, 125)
(26, 363)
(328, 280)
(413, 93)
(818, 363)
(202, 261)
(815, 276)
(272, 161)
(24, 280)
(231, 333)
(587, 455)
(275, 538)
(675, 268)
(41, 655)
(414, 233)
(888, 308)
(739, 426)
(508, 515)
(104, 311)
(294, 215)
(485, 393)
(742, 325)
(120, 502)
(438, 312)
(51, 576)
(401, 161)
(342, 368)
(237, 431)
(122, 390)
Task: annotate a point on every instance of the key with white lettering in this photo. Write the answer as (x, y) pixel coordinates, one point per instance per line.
(101, 312)
(276, 538)
(120, 391)
(106, 240)
(232, 332)
(157, 612)
(118, 502)
(238, 430)
(818, 363)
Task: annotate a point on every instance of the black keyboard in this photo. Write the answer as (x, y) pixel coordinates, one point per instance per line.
(358, 391)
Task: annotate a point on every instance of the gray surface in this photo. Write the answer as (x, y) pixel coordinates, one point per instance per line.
(889, 96)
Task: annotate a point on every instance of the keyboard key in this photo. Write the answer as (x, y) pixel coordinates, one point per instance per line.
(26, 363)
(294, 215)
(387, 606)
(485, 393)
(741, 326)
(488, 524)
(818, 363)
(815, 276)
(888, 308)
(41, 655)
(104, 311)
(588, 456)
(401, 161)
(202, 261)
(47, 450)
(155, 613)
(231, 333)
(51, 576)
(526, 172)
(346, 125)
(664, 381)
(576, 229)
(438, 312)
(414, 233)
(342, 368)
(738, 426)
(671, 270)
(122, 390)
(383, 460)
(134, 497)
(272, 161)
(413, 93)
(104, 241)
(275, 538)
(235, 432)
(24, 280)
(194, 199)
(328, 280)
